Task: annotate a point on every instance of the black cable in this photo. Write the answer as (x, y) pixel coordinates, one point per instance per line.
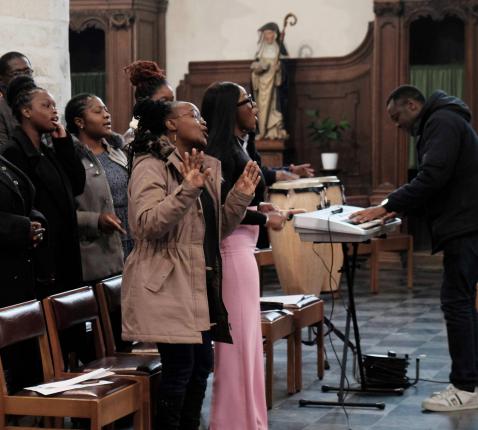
(341, 365)
(433, 381)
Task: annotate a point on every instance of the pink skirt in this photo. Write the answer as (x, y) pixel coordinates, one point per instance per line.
(238, 393)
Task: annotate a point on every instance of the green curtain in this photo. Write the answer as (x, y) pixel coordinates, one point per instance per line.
(428, 79)
(91, 82)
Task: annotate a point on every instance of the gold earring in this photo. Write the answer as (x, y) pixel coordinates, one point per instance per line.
(174, 137)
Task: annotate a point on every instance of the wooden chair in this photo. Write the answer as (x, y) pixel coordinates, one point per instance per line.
(264, 258)
(74, 309)
(311, 315)
(108, 294)
(276, 326)
(103, 404)
(398, 242)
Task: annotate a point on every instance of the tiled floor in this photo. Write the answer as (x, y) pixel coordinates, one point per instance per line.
(405, 321)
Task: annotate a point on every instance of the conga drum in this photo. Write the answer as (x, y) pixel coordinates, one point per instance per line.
(304, 267)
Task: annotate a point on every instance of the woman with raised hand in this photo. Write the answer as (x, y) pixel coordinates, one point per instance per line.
(172, 279)
(57, 175)
(238, 400)
(102, 209)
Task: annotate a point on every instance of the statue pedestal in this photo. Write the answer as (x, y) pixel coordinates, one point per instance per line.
(271, 152)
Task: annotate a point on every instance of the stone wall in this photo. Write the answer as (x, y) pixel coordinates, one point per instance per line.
(39, 29)
(217, 30)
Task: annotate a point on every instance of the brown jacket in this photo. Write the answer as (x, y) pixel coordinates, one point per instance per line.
(164, 284)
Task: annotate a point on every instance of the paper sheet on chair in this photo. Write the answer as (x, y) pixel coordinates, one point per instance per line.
(73, 383)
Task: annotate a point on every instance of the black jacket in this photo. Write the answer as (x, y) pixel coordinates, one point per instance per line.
(17, 282)
(446, 186)
(58, 175)
(232, 169)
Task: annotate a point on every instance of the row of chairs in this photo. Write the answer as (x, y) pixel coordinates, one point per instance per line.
(71, 332)
(72, 350)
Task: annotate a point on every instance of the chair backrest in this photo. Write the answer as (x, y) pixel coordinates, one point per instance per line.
(108, 293)
(67, 316)
(19, 323)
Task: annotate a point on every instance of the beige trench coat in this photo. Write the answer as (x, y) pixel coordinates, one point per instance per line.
(164, 283)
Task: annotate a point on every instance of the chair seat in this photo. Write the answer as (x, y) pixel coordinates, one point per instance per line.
(96, 392)
(126, 364)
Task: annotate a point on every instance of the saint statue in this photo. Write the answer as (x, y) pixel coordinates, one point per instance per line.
(269, 82)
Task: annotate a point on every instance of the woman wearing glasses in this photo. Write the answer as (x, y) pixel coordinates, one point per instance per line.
(171, 292)
(238, 390)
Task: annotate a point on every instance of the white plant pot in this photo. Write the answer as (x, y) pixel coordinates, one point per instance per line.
(329, 160)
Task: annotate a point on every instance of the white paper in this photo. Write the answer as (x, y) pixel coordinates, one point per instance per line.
(73, 383)
(292, 299)
(54, 390)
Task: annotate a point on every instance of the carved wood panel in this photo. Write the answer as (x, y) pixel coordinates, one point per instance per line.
(133, 30)
(338, 87)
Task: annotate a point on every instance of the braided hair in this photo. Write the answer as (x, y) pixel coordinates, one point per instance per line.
(75, 109)
(147, 77)
(20, 93)
(150, 137)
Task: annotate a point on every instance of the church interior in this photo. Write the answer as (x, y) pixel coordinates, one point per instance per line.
(373, 344)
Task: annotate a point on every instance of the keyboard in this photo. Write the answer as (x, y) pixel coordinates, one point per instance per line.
(336, 219)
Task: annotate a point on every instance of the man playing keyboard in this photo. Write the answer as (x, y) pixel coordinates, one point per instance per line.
(446, 190)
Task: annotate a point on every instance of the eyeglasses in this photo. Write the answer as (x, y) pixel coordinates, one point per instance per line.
(27, 71)
(192, 114)
(248, 99)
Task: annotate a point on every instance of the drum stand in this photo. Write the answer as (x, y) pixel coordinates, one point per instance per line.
(349, 270)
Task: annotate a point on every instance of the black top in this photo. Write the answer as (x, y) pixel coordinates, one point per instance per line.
(211, 249)
(211, 240)
(232, 169)
(16, 254)
(445, 188)
(58, 175)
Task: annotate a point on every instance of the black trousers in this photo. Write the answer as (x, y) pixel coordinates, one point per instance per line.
(458, 296)
(183, 364)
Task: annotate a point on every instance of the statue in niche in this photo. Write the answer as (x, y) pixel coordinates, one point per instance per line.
(269, 82)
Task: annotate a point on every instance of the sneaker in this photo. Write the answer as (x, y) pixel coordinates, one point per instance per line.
(451, 399)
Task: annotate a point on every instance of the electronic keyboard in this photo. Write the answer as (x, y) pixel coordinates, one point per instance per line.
(336, 219)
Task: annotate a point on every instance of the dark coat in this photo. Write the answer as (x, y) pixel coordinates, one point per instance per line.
(445, 188)
(164, 294)
(7, 121)
(16, 254)
(58, 176)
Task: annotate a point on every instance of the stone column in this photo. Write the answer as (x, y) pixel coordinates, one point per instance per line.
(39, 29)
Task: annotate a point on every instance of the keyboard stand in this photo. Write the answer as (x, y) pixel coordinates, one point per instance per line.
(349, 270)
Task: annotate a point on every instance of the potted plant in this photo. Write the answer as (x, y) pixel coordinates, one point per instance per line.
(326, 132)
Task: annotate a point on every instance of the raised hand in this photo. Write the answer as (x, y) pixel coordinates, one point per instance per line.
(192, 168)
(249, 179)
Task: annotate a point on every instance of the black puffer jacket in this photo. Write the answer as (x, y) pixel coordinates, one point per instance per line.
(446, 186)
